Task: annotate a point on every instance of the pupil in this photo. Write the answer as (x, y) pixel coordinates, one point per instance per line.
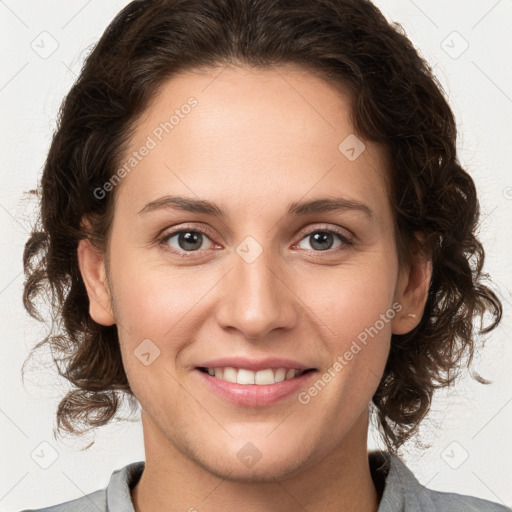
(190, 240)
(320, 238)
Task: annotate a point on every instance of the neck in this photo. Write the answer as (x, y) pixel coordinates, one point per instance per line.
(174, 482)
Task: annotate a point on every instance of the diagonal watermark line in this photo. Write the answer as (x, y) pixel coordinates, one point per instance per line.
(72, 72)
(286, 491)
(13, 13)
(503, 407)
(76, 14)
(278, 424)
(305, 100)
(215, 488)
(424, 13)
(479, 225)
(214, 78)
(85, 495)
(187, 312)
(13, 218)
(10, 490)
(492, 81)
(10, 282)
(14, 76)
(219, 220)
(232, 267)
(486, 14)
(497, 497)
(503, 298)
(165, 165)
(373, 373)
(198, 402)
(424, 486)
(304, 195)
(14, 423)
(485, 216)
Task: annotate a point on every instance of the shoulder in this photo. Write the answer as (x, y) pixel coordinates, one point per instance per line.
(403, 492)
(94, 501)
(450, 501)
(116, 496)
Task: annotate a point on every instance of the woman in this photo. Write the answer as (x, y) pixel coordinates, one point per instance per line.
(253, 221)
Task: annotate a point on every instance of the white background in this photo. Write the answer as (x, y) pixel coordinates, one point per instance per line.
(472, 420)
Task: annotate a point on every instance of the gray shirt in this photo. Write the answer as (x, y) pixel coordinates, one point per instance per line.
(398, 489)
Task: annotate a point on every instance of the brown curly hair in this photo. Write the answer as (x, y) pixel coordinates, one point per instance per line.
(396, 102)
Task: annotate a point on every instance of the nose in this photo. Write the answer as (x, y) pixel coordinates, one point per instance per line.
(256, 298)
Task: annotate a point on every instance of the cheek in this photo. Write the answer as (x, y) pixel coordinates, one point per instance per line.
(350, 297)
(153, 313)
(159, 302)
(354, 309)
(153, 301)
(159, 312)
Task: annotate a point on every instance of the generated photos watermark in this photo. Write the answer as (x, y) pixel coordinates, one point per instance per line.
(304, 397)
(152, 140)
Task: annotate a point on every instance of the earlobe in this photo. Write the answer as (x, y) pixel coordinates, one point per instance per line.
(412, 292)
(92, 268)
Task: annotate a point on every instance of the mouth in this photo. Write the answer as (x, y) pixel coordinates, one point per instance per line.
(254, 388)
(264, 377)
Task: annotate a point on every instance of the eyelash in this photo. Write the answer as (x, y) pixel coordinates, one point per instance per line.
(347, 242)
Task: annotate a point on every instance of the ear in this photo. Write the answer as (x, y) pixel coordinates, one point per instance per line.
(92, 267)
(412, 289)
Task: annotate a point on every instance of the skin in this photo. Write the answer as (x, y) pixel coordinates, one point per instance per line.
(257, 141)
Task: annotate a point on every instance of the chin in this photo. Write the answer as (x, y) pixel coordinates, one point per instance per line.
(263, 471)
(257, 462)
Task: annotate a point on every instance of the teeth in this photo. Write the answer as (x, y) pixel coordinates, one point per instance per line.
(244, 376)
(230, 374)
(262, 377)
(280, 375)
(265, 377)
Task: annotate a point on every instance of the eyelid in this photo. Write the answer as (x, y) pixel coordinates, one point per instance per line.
(344, 233)
(163, 237)
(347, 237)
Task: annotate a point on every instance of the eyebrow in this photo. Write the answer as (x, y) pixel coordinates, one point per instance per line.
(321, 205)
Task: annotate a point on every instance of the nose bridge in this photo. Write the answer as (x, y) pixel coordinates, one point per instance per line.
(256, 300)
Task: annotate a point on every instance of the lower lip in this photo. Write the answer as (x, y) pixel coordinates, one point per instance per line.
(255, 395)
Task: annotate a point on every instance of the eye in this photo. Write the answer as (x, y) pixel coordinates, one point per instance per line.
(324, 240)
(185, 240)
(194, 240)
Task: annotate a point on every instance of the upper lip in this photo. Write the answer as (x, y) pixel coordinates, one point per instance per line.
(253, 364)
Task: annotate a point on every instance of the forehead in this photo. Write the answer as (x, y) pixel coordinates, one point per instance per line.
(243, 135)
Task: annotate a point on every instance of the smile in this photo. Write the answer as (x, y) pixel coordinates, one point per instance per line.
(254, 388)
(247, 377)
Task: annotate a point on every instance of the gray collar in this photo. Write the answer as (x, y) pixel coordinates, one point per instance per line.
(402, 491)
(398, 489)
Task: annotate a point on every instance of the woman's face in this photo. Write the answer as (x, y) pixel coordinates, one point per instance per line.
(281, 280)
